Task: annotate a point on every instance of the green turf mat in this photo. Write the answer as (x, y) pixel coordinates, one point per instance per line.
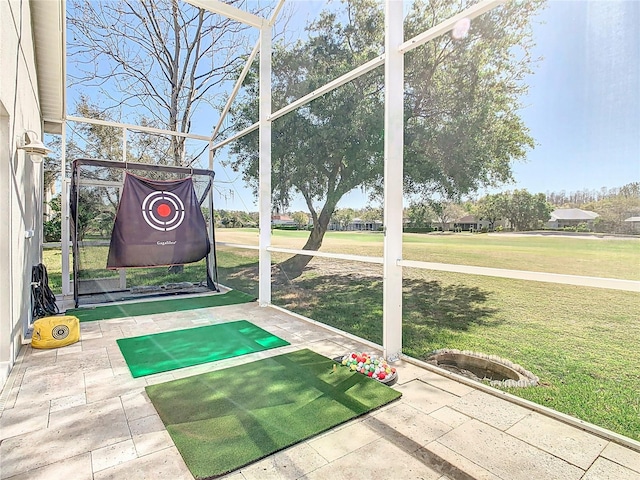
(166, 351)
(159, 306)
(223, 420)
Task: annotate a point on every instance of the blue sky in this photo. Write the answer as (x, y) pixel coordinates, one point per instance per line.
(583, 106)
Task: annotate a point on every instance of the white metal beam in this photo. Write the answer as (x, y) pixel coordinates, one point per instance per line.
(409, 45)
(332, 85)
(229, 12)
(443, 27)
(264, 199)
(241, 133)
(137, 128)
(236, 89)
(579, 280)
(347, 77)
(275, 13)
(245, 70)
(65, 228)
(559, 278)
(393, 181)
(336, 256)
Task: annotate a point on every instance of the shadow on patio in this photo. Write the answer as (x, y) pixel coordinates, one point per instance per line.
(76, 412)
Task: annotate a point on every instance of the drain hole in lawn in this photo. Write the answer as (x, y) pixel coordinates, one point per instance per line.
(480, 367)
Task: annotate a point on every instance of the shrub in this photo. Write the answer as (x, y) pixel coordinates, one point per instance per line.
(417, 229)
(52, 230)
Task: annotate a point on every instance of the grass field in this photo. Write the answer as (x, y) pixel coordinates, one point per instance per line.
(581, 342)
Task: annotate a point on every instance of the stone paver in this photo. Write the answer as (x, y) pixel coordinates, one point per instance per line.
(63, 403)
(166, 464)
(604, 469)
(28, 418)
(456, 465)
(489, 409)
(72, 432)
(504, 455)
(573, 445)
(76, 468)
(379, 461)
(289, 464)
(76, 413)
(623, 456)
(446, 384)
(402, 420)
(424, 397)
(149, 435)
(340, 442)
(112, 455)
(449, 416)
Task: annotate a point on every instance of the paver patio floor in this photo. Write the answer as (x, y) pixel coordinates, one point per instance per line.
(76, 413)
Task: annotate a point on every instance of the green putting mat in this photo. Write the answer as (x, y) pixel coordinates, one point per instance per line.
(166, 351)
(159, 306)
(223, 420)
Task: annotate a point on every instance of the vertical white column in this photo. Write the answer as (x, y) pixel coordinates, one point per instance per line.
(393, 177)
(264, 200)
(64, 211)
(122, 272)
(124, 144)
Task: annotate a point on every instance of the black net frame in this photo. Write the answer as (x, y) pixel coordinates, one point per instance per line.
(74, 197)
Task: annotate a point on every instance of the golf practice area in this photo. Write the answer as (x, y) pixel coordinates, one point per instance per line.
(105, 312)
(162, 352)
(223, 420)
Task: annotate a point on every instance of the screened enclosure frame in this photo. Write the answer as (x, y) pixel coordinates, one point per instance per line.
(393, 60)
(392, 261)
(211, 260)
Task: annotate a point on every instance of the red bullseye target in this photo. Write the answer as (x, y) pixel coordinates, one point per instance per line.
(163, 211)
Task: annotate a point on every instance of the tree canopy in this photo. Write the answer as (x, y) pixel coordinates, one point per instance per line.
(462, 128)
(153, 59)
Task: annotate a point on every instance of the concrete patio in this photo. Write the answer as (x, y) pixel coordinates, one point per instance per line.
(76, 413)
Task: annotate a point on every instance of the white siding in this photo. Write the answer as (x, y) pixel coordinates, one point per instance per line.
(20, 179)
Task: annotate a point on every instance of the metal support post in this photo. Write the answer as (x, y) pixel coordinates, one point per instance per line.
(393, 180)
(264, 295)
(65, 234)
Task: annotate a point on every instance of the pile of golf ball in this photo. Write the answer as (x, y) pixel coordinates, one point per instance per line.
(370, 365)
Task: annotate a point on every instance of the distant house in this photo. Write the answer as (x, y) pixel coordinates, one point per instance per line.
(470, 223)
(282, 220)
(357, 225)
(369, 225)
(633, 224)
(571, 217)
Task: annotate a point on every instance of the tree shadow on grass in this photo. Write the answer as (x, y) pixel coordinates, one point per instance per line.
(353, 303)
(437, 315)
(434, 313)
(451, 306)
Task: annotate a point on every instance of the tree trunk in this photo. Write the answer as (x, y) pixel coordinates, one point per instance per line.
(294, 266)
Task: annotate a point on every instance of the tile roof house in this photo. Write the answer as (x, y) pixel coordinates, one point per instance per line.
(633, 224)
(570, 217)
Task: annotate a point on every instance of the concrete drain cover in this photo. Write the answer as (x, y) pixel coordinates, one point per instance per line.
(480, 367)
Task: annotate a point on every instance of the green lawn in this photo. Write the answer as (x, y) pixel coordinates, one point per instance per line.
(581, 342)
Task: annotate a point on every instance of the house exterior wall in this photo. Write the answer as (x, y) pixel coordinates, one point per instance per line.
(20, 179)
(561, 223)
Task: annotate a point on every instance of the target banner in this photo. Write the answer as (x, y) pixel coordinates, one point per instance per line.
(158, 223)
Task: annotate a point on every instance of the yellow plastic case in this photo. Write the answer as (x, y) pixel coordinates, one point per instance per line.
(54, 332)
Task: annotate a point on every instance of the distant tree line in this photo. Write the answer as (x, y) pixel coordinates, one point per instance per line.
(579, 198)
(523, 211)
(614, 208)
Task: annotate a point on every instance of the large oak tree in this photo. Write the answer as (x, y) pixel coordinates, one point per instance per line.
(462, 99)
(153, 61)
